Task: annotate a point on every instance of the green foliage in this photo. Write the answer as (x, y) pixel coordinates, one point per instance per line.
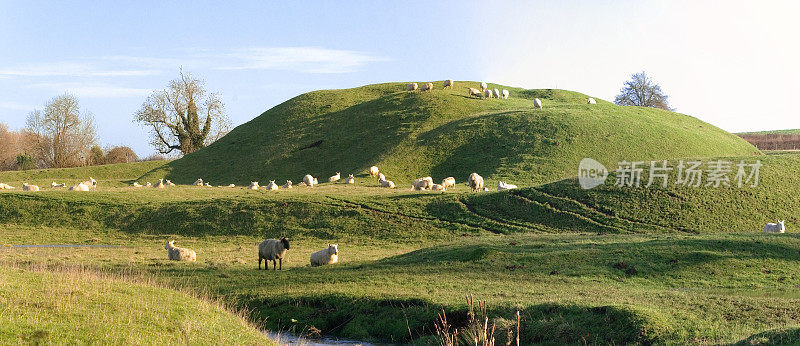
(25, 162)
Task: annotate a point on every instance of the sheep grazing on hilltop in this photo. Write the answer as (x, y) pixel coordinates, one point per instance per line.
(475, 182)
(272, 186)
(232, 185)
(387, 184)
(4, 186)
(591, 101)
(505, 94)
(373, 171)
(81, 187)
(309, 180)
(422, 184)
(449, 182)
(412, 87)
(55, 185)
(28, 187)
(160, 184)
(169, 183)
(335, 177)
(272, 250)
(381, 177)
(496, 93)
(449, 83)
(537, 103)
(329, 255)
(198, 182)
(777, 227)
(484, 86)
(474, 92)
(488, 93)
(427, 87)
(437, 187)
(253, 185)
(136, 184)
(179, 253)
(288, 185)
(350, 179)
(503, 186)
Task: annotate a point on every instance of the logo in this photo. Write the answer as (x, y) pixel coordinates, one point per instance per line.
(591, 173)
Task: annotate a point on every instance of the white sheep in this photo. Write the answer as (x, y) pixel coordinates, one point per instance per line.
(474, 92)
(350, 180)
(93, 182)
(329, 255)
(80, 187)
(503, 186)
(449, 182)
(28, 187)
(4, 186)
(272, 186)
(484, 86)
(288, 185)
(179, 253)
(387, 184)
(488, 93)
(55, 185)
(148, 184)
(537, 103)
(412, 87)
(591, 101)
(422, 184)
(136, 184)
(169, 183)
(505, 93)
(373, 171)
(475, 182)
(777, 227)
(253, 185)
(316, 182)
(160, 184)
(496, 93)
(207, 184)
(437, 187)
(232, 185)
(198, 182)
(309, 180)
(272, 250)
(449, 83)
(427, 87)
(335, 177)
(381, 177)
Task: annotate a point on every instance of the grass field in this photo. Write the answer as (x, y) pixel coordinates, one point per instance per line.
(610, 265)
(671, 265)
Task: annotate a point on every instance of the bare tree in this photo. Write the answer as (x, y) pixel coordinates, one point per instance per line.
(183, 116)
(641, 90)
(9, 147)
(121, 155)
(63, 135)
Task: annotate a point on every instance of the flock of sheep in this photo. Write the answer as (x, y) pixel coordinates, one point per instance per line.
(268, 250)
(82, 186)
(484, 92)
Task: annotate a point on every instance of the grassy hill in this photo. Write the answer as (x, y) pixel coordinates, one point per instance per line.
(445, 133)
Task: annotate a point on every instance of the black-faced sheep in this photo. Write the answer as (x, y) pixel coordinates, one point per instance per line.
(272, 250)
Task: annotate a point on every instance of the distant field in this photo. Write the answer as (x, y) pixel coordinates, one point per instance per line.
(772, 132)
(773, 140)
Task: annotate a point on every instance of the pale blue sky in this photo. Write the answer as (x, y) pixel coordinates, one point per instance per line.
(733, 66)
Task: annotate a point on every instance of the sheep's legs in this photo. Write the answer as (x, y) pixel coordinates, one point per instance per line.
(280, 261)
(259, 264)
(274, 264)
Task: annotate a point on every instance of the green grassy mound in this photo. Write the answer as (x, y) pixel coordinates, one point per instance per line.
(76, 307)
(445, 133)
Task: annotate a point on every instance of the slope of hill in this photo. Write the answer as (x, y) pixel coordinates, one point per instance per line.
(445, 133)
